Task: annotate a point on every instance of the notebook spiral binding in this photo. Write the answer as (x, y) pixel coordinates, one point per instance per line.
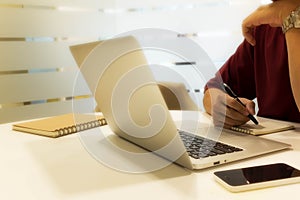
(242, 130)
(81, 127)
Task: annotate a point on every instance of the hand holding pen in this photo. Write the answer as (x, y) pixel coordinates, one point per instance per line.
(233, 95)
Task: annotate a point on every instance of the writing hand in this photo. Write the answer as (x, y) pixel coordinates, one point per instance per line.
(226, 111)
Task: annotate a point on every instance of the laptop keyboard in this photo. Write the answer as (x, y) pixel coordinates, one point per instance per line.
(200, 147)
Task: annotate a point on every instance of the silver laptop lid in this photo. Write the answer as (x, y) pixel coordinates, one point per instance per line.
(126, 92)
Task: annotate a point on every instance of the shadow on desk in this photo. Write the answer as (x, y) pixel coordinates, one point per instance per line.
(73, 170)
(290, 137)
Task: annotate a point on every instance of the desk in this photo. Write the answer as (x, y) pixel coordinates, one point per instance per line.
(35, 167)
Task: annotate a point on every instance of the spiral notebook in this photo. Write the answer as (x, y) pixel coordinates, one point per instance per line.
(264, 127)
(61, 125)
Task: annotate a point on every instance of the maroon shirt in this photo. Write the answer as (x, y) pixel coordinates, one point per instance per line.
(262, 72)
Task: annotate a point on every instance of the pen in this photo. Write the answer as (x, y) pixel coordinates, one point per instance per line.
(232, 94)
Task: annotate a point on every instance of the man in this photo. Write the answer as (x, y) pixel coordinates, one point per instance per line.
(265, 66)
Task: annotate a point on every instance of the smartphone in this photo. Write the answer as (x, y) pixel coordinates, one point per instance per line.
(256, 177)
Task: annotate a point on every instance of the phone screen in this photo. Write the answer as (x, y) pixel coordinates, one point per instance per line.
(257, 174)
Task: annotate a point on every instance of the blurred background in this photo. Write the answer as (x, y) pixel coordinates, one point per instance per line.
(37, 70)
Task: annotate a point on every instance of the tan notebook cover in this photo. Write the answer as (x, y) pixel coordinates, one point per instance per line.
(262, 128)
(61, 125)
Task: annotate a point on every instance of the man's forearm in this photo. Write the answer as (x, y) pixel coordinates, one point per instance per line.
(293, 46)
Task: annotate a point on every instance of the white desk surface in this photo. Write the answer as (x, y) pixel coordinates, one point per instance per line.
(36, 167)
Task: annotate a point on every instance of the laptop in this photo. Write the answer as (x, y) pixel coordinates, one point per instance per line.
(127, 94)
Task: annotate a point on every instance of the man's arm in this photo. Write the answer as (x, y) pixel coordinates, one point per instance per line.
(225, 110)
(293, 45)
(274, 15)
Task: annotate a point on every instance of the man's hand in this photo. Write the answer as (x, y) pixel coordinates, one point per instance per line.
(225, 110)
